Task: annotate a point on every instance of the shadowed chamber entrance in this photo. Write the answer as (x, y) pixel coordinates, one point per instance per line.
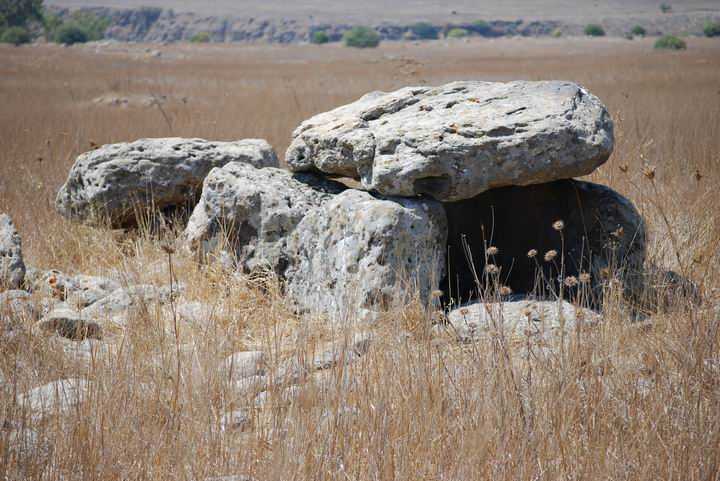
(516, 220)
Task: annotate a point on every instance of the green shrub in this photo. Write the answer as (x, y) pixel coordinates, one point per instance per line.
(481, 27)
(594, 30)
(15, 35)
(712, 29)
(77, 29)
(665, 8)
(200, 37)
(361, 37)
(670, 42)
(69, 33)
(557, 33)
(425, 30)
(17, 13)
(638, 31)
(94, 26)
(320, 37)
(457, 33)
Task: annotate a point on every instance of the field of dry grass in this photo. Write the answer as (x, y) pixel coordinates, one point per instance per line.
(620, 400)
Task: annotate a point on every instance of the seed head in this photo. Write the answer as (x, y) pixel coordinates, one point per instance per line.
(649, 171)
(167, 248)
(436, 294)
(492, 269)
(492, 250)
(584, 278)
(550, 255)
(505, 291)
(558, 225)
(532, 253)
(570, 281)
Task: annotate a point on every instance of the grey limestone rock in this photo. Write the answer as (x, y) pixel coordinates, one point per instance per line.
(116, 182)
(458, 140)
(12, 267)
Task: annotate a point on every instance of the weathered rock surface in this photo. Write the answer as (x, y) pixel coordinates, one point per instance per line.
(251, 212)
(456, 141)
(245, 364)
(234, 421)
(358, 253)
(544, 319)
(55, 397)
(16, 304)
(70, 324)
(116, 306)
(603, 232)
(12, 267)
(116, 182)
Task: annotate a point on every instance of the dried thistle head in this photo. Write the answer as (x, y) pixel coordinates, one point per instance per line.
(505, 291)
(584, 278)
(436, 294)
(492, 269)
(649, 171)
(492, 250)
(558, 225)
(532, 253)
(167, 247)
(570, 281)
(550, 255)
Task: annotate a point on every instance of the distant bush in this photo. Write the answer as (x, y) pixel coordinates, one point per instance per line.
(77, 29)
(94, 26)
(200, 37)
(594, 30)
(69, 34)
(17, 13)
(665, 8)
(425, 30)
(557, 33)
(638, 31)
(712, 29)
(457, 33)
(481, 27)
(15, 35)
(361, 37)
(319, 38)
(670, 42)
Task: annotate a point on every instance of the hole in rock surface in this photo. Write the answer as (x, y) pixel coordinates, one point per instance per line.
(517, 220)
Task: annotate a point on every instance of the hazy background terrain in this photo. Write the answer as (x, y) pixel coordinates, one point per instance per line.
(409, 10)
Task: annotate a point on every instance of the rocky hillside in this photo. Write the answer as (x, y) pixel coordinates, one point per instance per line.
(154, 24)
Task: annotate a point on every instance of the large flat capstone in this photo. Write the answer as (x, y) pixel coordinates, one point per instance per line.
(116, 182)
(456, 141)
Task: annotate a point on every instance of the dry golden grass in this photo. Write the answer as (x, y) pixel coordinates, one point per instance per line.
(619, 402)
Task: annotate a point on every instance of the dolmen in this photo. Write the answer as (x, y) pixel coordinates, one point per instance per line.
(430, 194)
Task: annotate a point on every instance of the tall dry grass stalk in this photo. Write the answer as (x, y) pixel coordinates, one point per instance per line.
(623, 401)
